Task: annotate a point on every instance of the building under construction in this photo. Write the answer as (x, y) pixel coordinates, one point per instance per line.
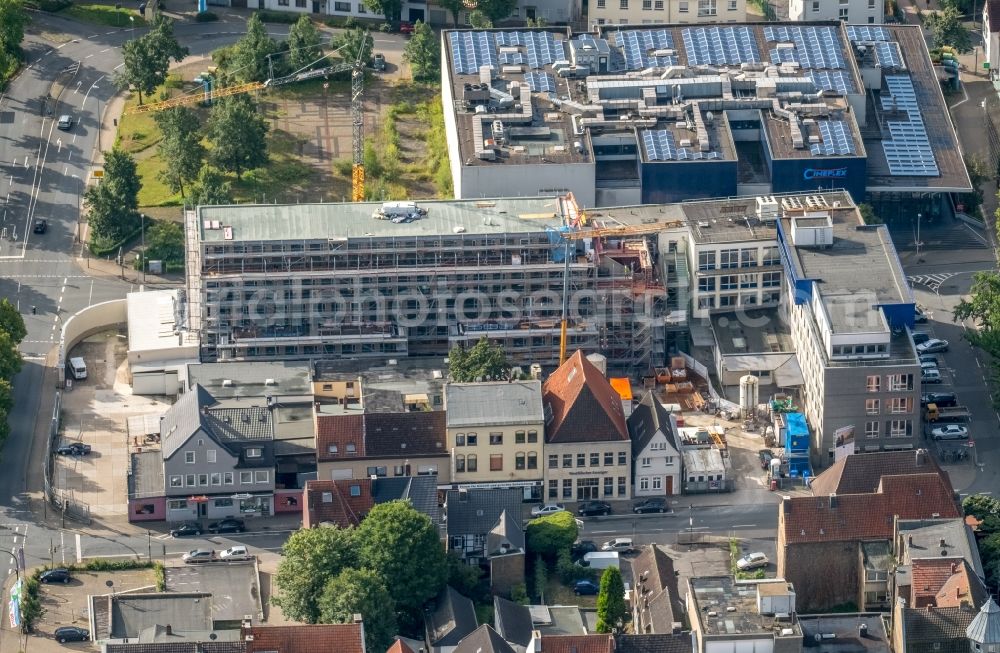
(400, 279)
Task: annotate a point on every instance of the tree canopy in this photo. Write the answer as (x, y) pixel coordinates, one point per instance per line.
(983, 308)
(13, 20)
(11, 321)
(165, 242)
(351, 42)
(454, 7)
(391, 9)
(112, 205)
(423, 52)
(947, 29)
(147, 58)
(612, 611)
(247, 60)
(211, 188)
(549, 535)
(180, 148)
(360, 591)
(482, 362)
(311, 558)
(238, 135)
(304, 43)
(496, 10)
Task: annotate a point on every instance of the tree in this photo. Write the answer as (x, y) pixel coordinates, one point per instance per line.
(549, 535)
(211, 188)
(162, 40)
(947, 30)
(10, 358)
(247, 61)
(980, 506)
(303, 43)
(13, 20)
(360, 591)
(480, 20)
(612, 612)
(403, 547)
(112, 204)
(983, 308)
(423, 52)
(541, 579)
(6, 398)
(454, 7)
(147, 58)
(165, 242)
(11, 321)
(351, 42)
(238, 135)
(180, 148)
(483, 362)
(464, 578)
(312, 557)
(496, 10)
(391, 9)
(979, 174)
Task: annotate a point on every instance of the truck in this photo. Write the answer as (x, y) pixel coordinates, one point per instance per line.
(601, 559)
(78, 368)
(935, 413)
(390, 210)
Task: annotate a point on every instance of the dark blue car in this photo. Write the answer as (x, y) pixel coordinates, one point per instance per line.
(582, 587)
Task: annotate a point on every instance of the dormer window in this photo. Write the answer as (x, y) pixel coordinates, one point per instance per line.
(351, 448)
(254, 452)
(355, 490)
(332, 448)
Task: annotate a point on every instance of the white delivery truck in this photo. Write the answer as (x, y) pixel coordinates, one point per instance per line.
(601, 559)
(78, 368)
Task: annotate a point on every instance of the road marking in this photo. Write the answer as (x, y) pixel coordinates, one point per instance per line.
(79, 550)
(89, 56)
(92, 36)
(119, 66)
(977, 363)
(744, 526)
(104, 50)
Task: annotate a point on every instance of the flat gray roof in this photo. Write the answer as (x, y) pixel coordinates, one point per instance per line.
(846, 631)
(496, 403)
(761, 331)
(234, 586)
(252, 379)
(146, 479)
(735, 606)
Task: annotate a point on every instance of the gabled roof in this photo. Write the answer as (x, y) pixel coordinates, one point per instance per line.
(938, 538)
(860, 517)
(399, 646)
(578, 644)
(321, 638)
(513, 621)
(648, 418)
(420, 491)
(230, 428)
(945, 583)
(581, 406)
(453, 618)
(349, 500)
(938, 627)
(471, 405)
(506, 530)
(658, 643)
(860, 473)
(380, 435)
(483, 640)
(654, 581)
(985, 627)
(476, 511)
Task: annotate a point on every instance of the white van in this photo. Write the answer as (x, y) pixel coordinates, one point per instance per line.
(390, 210)
(78, 368)
(601, 559)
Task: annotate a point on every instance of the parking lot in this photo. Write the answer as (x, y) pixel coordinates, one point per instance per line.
(95, 412)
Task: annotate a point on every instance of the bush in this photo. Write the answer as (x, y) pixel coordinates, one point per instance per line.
(53, 6)
(385, 27)
(519, 594)
(569, 572)
(206, 17)
(278, 17)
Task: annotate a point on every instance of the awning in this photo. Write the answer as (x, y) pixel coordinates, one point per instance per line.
(789, 375)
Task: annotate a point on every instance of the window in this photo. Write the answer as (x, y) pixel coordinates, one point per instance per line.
(871, 4)
(728, 282)
(899, 428)
(496, 438)
(657, 482)
(398, 470)
(223, 503)
(609, 458)
(176, 481)
(282, 3)
(771, 256)
(843, 13)
(609, 486)
(669, 460)
(471, 439)
(518, 461)
(460, 439)
(227, 478)
(644, 483)
(622, 459)
(647, 5)
(658, 5)
(871, 429)
(683, 8)
(815, 5)
(189, 457)
(177, 504)
(471, 464)
(727, 300)
(622, 487)
(342, 6)
(246, 477)
(190, 480)
(748, 257)
(623, 4)
(646, 462)
(352, 448)
(553, 489)
(532, 460)
(732, 5)
(532, 437)
(361, 7)
(553, 461)
(595, 459)
(581, 460)
(900, 382)
(871, 21)
(459, 463)
(355, 490)
(567, 460)
(900, 405)
(770, 279)
(873, 383)
(706, 284)
(332, 448)
(254, 452)
(263, 476)
(519, 437)
(706, 302)
(377, 471)
(748, 281)
(202, 479)
(601, 4)
(567, 488)
(872, 406)
(728, 258)
(216, 478)
(210, 456)
(706, 260)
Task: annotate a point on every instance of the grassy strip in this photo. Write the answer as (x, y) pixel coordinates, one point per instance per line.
(105, 15)
(734, 555)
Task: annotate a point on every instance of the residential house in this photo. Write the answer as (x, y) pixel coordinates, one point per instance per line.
(449, 621)
(729, 615)
(513, 623)
(876, 566)
(495, 434)
(849, 11)
(572, 644)
(365, 385)
(918, 539)
(844, 633)
(382, 445)
(682, 642)
(958, 629)
(941, 583)
(656, 458)
(217, 461)
(587, 446)
(485, 525)
(657, 606)
(662, 12)
(991, 36)
(345, 502)
(484, 640)
(861, 473)
(818, 537)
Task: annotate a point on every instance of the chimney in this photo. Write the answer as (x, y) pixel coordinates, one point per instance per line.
(357, 618)
(833, 500)
(921, 457)
(954, 567)
(943, 542)
(909, 540)
(536, 636)
(863, 630)
(169, 630)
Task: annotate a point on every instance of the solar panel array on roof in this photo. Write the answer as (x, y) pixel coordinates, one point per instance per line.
(718, 46)
(470, 50)
(659, 146)
(835, 138)
(815, 47)
(638, 46)
(908, 150)
(888, 55)
(540, 82)
(511, 58)
(541, 48)
(867, 33)
(835, 81)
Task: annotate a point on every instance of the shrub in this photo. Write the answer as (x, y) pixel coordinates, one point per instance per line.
(206, 17)
(385, 27)
(278, 17)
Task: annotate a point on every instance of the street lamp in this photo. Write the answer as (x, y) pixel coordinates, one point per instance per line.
(919, 216)
(142, 216)
(17, 562)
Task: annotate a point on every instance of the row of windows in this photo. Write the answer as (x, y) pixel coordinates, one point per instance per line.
(894, 428)
(191, 457)
(182, 504)
(581, 459)
(705, 7)
(893, 383)
(728, 259)
(732, 300)
(399, 470)
(734, 281)
(895, 406)
(644, 482)
(859, 350)
(648, 462)
(470, 462)
(496, 439)
(219, 478)
(609, 487)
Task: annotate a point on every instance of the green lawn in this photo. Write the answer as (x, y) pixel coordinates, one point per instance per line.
(104, 15)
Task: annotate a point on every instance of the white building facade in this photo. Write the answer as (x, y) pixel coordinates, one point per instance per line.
(849, 11)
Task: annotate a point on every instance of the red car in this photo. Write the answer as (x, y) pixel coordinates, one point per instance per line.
(405, 28)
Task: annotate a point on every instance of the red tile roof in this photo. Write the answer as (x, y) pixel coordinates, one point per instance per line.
(862, 472)
(578, 644)
(942, 583)
(863, 517)
(580, 404)
(343, 508)
(399, 646)
(326, 638)
(380, 435)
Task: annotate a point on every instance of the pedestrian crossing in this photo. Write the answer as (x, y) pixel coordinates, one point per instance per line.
(932, 282)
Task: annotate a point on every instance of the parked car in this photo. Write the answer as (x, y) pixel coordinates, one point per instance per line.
(942, 399)
(196, 556)
(919, 337)
(186, 529)
(55, 576)
(919, 316)
(547, 509)
(65, 634)
(932, 346)
(582, 548)
(750, 561)
(405, 27)
(235, 553)
(585, 587)
(929, 358)
(950, 432)
(227, 525)
(930, 376)
(41, 226)
(65, 123)
(928, 365)
(618, 544)
(378, 61)
(590, 508)
(765, 456)
(652, 504)
(74, 449)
